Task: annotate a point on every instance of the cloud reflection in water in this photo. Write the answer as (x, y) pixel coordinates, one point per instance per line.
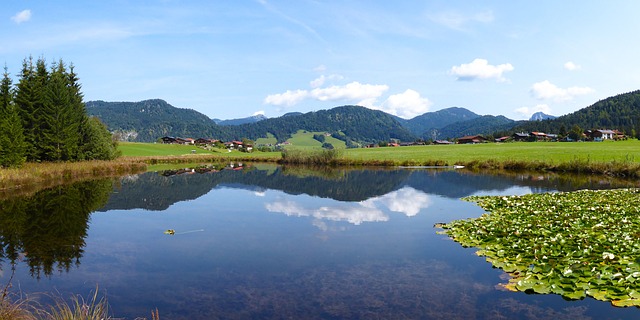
(407, 200)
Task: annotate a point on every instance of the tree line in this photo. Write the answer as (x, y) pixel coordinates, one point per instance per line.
(43, 117)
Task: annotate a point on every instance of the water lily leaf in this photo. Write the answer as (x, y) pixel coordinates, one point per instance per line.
(574, 244)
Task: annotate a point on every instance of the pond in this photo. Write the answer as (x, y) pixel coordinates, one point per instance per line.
(270, 242)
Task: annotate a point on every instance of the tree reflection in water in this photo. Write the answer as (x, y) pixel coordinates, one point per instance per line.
(47, 230)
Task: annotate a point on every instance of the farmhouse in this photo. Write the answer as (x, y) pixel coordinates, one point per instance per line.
(177, 140)
(520, 136)
(471, 139)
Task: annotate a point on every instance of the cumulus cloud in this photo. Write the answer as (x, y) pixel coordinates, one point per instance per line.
(258, 113)
(480, 69)
(22, 16)
(354, 91)
(526, 112)
(572, 66)
(407, 104)
(288, 98)
(351, 91)
(547, 90)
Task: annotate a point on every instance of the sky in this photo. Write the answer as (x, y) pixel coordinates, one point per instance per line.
(235, 58)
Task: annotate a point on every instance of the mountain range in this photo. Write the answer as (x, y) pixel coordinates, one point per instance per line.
(148, 120)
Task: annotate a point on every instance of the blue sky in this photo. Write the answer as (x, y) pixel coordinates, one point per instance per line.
(231, 59)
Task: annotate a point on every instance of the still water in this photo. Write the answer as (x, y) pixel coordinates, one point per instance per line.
(268, 242)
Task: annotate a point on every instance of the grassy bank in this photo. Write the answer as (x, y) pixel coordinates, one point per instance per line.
(621, 158)
(35, 176)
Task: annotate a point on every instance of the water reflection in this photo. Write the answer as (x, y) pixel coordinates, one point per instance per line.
(276, 243)
(47, 230)
(407, 201)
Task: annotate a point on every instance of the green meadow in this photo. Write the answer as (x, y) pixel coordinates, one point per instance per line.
(549, 152)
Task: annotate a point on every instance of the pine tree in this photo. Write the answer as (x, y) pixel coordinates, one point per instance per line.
(11, 134)
(59, 134)
(25, 101)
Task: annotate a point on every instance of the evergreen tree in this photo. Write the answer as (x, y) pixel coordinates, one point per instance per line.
(25, 101)
(11, 134)
(58, 132)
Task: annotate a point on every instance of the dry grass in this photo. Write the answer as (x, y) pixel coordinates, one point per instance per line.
(35, 176)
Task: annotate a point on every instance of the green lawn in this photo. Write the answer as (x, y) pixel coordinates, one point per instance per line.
(549, 152)
(138, 149)
(554, 152)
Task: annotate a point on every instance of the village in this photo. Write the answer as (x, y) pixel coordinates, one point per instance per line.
(597, 135)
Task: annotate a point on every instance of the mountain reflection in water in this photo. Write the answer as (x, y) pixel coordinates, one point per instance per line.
(276, 242)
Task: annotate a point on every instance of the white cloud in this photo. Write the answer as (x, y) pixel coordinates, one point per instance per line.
(480, 69)
(354, 91)
(547, 90)
(407, 104)
(289, 98)
(351, 91)
(22, 16)
(257, 113)
(572, 66)
(526, 112)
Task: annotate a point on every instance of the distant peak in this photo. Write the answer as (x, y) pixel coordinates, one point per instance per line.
(539, 116)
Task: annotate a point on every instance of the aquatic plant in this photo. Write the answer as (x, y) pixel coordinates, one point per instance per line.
(575, 244)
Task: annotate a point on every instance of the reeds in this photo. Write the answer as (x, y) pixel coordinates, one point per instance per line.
(95, 307)
(33, 176)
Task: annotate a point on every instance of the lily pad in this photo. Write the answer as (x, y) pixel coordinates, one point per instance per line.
(576, 244)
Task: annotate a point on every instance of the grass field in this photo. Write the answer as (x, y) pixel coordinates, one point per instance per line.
(550, 152)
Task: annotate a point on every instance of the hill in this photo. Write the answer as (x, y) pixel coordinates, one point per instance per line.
(424, 124)
(351, 123)
(236, 122)
(621, 112)
(485, 125)
(149, 120)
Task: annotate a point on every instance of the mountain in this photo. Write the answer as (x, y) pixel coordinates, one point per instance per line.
(150, 120)
(485, 125)
(353, 123)
(423, 124)
(237, 122)
(147, 121)
(539, 116)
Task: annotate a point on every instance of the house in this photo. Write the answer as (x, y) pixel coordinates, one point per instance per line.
(540, 136)
(502, 139)
(471, 139)
(168, 139)
(205, 141)
(520, 136)
(235, 144)
(600, 134)
(442, 142)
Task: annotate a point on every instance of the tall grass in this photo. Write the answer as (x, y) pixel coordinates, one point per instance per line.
(312, 157)
(32, 176)
(95, 307)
